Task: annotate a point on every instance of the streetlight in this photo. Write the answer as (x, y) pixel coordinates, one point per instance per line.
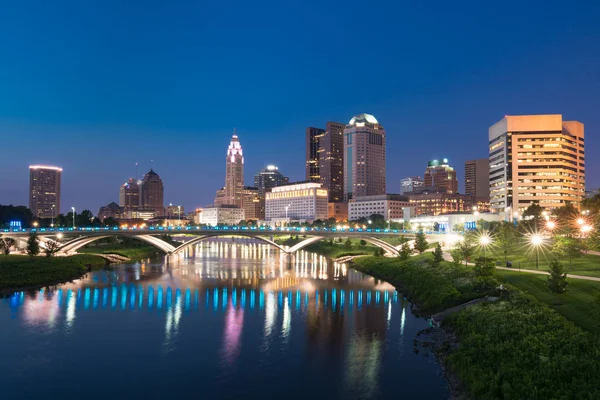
(580, 221)
(35, 224)
(53, 208)
(178, 215)
(389, 218)
(585, 229)
(484, 241)
(286, 212)
(550, 225)
(536, 240)
(73, 208)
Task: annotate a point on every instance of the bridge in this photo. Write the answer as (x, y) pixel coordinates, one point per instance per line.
(151, 235)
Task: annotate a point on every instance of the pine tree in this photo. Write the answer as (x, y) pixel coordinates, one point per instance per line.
(557, 281)
(33, 245)
(421, 243)
(405, 251)
(438, 255)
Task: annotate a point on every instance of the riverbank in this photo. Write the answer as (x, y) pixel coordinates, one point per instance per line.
(516, 347)
(132, 253)
(22, 273)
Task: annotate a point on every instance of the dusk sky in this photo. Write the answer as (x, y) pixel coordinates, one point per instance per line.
(96, 86)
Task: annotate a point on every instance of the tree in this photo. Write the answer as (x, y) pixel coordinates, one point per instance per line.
(557, 281)
(466, 249)
(33, 245)
(405, 251)
(421, 243)
(51, 248)
(484, 267)
(110, 221)
(568, 247)
(15, 213)
(533, 212)
(84, 218)
(363, 243)
(457, 256)
(438, 254)
(6, 244)
(505, 238)
(340, 240)
(348, 244)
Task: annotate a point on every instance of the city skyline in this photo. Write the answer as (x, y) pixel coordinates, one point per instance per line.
(435, 86)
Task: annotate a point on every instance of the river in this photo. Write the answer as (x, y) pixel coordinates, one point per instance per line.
(229, 320)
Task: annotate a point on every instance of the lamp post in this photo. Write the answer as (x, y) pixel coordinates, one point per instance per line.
(53, 208)
(286, 212)
(73, 208)
(536, 241)
(389, 218)
(550, 225)
(179, 215)
(484, 241)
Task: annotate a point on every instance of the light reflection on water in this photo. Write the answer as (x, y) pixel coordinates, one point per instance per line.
(243, 319)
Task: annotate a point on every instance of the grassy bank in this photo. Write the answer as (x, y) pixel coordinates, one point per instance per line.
(581, 303)
(135, 253)
(516, 348)
(23, 272)
(432, 288)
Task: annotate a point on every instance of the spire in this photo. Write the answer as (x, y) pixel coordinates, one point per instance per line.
(235, 133)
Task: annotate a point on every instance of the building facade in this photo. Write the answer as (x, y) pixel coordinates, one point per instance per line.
(313, 147)
(305, 201)
(364, 157)
(435, 203)
(411, 184)
(234, 174)
(130, 195)
(331, 161)
(535, 159)
(441, 176)
(221, 214)
(152, 194)
(44, 190)
(477, 179)
(390, 206)
(339, 211)
(252, 204)
(112, 210)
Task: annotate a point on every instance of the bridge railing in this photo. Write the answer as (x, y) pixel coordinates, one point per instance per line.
(183, 229)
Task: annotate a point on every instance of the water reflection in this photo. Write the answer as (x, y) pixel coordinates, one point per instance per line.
(316, 315)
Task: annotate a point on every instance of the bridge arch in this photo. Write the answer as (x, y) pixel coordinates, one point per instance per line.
(199, 239)
(80, 242)
(374, 241)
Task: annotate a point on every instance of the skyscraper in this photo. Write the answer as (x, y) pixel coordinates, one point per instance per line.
(331, 161)
(129, 195)
(44, 191)
(535, 159)
(153, 193)
(477, 179)
(313, 138)
(268, 178)
(364, 157)
(232, 193)
(440, 176)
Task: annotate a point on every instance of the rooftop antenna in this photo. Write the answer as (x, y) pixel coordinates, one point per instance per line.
(136, 171)
(152, 164)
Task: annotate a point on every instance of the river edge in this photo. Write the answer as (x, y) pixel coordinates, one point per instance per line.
(439, 340)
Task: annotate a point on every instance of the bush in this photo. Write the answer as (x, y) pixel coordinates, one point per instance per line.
(438, 254)
(348, 244)
(557, 281)
(484, 267)
(363, 242)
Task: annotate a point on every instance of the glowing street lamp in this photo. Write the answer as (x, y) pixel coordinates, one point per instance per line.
(585, 229)
(550, 225)
(35, 224)
(73, 208)
(536, 241)
(485, 241)
(580, 221)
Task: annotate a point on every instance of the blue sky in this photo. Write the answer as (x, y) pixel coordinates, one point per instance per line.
(95, 86)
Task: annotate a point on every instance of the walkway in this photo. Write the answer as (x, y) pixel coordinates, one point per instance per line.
(448, 257)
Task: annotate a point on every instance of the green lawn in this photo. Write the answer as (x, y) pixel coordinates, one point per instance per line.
(581, 303)
(523, 257)
(19, 272)
(134, 253)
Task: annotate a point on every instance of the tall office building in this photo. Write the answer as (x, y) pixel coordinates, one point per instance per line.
(477, 179)
(313, 142)
(411, 184)
(268, 178)
(130, 195)
(152, 194)
(331, 161)
(44, 191)
(440, 176)
(232, 193)
(535, 159)
(364, 157)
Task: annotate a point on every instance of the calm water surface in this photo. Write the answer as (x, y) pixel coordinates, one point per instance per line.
(230, 320)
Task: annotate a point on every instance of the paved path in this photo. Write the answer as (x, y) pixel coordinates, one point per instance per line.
(448, 257)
